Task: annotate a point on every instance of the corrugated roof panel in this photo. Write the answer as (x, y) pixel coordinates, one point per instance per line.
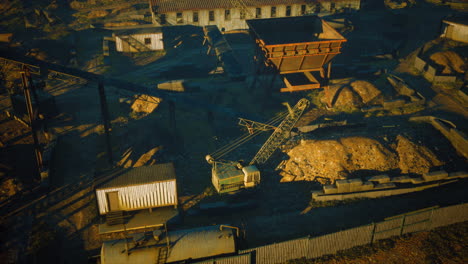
(141, 175)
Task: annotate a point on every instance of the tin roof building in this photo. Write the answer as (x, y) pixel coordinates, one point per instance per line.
(139, 188)
(232, 15)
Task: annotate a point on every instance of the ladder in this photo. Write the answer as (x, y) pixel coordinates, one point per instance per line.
(115, 218)
(164, 250)
(135, 44)
(281, 133)
(162, 255)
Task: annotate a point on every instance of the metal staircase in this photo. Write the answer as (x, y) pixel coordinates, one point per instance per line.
(115, 218)
(135, 44)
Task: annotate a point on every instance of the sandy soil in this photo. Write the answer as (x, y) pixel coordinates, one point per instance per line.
(328, 160)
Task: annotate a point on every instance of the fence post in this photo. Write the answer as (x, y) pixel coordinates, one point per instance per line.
(402, 224)
(373, 233)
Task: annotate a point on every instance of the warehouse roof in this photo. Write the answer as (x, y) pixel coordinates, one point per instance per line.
(460, 20)
(141, 175)
(163, 6)
(136, 31)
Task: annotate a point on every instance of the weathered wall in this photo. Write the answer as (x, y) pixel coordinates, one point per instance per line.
(156, 42)
(140, 196)
(457, 32)
(235, 22)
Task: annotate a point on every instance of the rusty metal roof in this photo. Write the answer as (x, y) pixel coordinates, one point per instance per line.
(141, 175)
(163, 6)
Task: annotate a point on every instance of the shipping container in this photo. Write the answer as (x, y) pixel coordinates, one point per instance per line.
(139, 188)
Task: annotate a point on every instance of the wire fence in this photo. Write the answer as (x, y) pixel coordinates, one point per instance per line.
(313, 247)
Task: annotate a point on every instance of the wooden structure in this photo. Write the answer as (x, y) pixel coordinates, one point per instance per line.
(139, 39)
(297, 45)
(139, 188)
(455, 28)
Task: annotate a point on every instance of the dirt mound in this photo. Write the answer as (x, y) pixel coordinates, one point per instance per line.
(451, 61)
(339, 96)
(366, 90)
(398, 4)
(328, 160)
(351, 94)
(414, 158)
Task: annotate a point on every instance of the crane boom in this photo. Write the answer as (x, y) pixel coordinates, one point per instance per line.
(281, 133)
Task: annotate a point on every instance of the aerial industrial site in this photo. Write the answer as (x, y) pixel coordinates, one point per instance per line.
(233, 131)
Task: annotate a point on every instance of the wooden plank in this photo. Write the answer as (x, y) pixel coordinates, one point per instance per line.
(300, 87)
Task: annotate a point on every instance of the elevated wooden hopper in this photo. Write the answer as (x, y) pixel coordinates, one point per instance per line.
(297, 45)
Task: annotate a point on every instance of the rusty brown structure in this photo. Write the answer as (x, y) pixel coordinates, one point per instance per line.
(300, 49)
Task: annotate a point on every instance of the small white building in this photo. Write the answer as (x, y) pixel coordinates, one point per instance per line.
(228, 16)
(139, 39)
(139, 188)
(455, 28)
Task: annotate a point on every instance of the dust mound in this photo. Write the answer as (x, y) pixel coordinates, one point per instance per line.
(353, 94)
(342, 96)
(414, 158)
(398, 4)
(328, 160)
(451, 61)
(366, 90)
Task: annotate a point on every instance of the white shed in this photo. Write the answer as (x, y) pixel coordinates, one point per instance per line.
(139, 188)
(455, 28)
(139, 39)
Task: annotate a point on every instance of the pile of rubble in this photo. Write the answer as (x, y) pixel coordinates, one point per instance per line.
(326, 161)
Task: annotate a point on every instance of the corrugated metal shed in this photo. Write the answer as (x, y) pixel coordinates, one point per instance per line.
(185, 244)
(163, 6)
(139, 188)
(142, 175)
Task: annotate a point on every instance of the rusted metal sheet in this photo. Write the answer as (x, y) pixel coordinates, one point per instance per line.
(140, 188)
(297, 45)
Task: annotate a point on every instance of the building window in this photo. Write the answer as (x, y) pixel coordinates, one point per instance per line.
(242, 14)
(318, 7)
(195, 16)
(211, 16)
(303, 9)
(288, 11)
(162, 19)
(227, 14)
(273, 11)
(147, 41)
(332, 6)
(179, 18)
(258, 12)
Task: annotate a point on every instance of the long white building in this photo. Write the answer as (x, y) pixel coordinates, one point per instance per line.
(228, 15)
